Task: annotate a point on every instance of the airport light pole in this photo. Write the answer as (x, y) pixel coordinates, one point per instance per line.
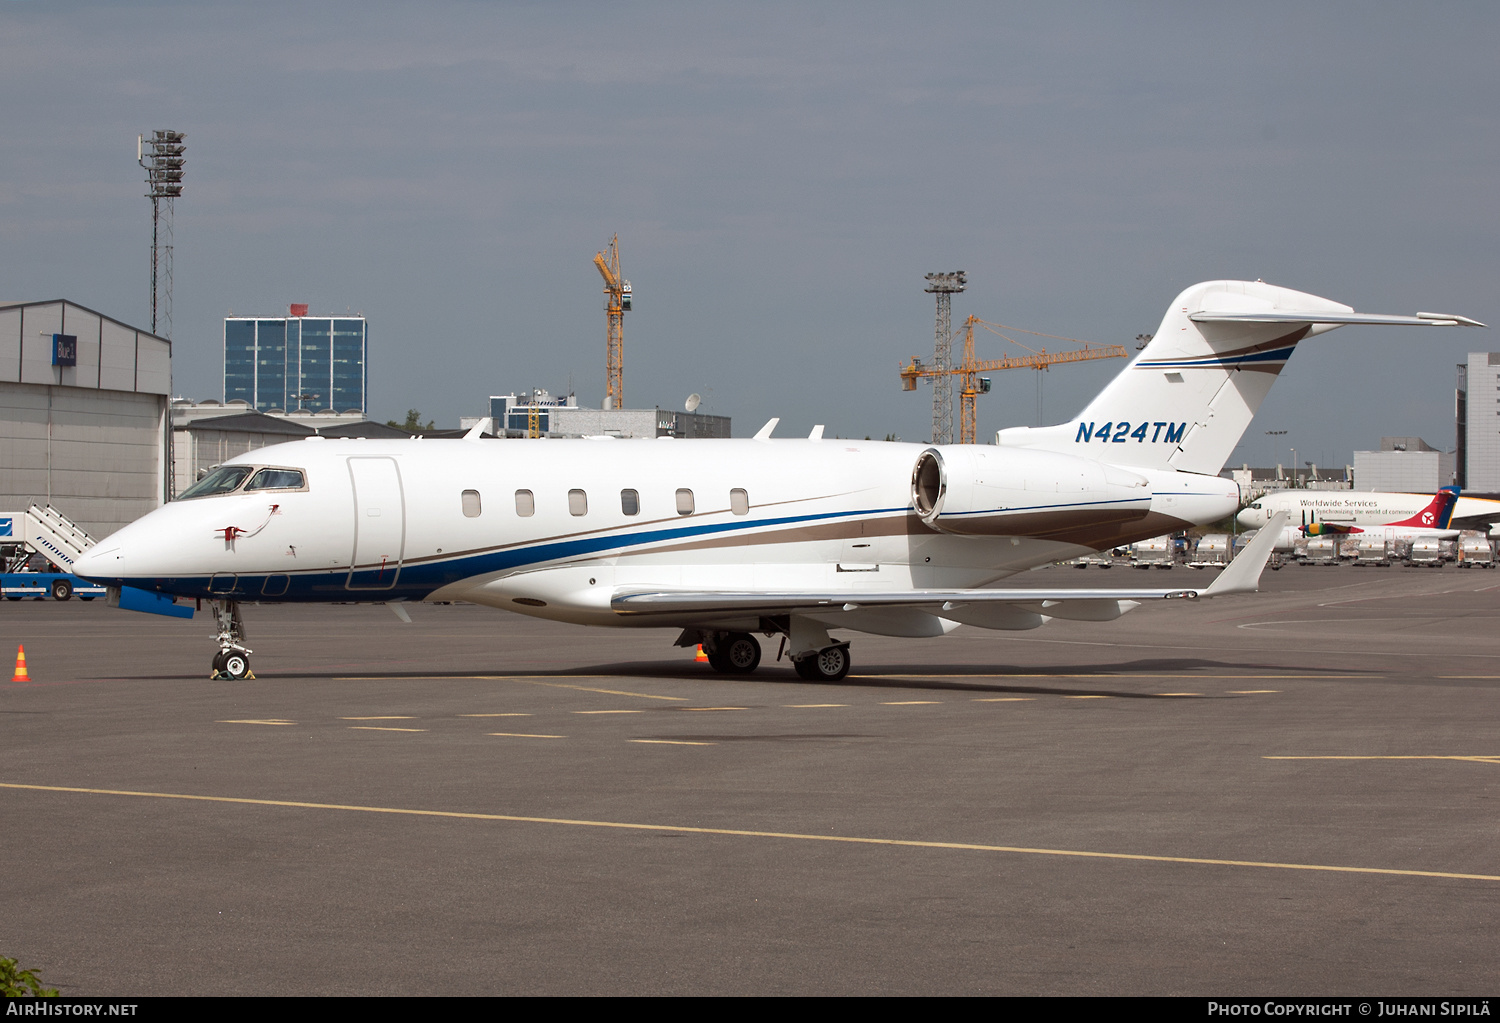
(161, 156)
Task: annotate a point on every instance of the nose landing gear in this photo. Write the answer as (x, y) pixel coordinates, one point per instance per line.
(232, 662)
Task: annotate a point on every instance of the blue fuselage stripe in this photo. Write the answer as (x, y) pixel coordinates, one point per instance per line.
(416, 580)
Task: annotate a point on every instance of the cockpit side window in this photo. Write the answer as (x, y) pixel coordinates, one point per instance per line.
(277, 479)
(223, 480)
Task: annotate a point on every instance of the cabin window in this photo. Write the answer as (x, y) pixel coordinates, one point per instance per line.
(739, 502)
(578, 502)
(471, 504)
(276, 479)
(630, 502)
(684, 502)
(525, 503)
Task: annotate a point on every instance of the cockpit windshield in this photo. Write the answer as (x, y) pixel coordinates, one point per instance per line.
(226, 479)
(222, 480)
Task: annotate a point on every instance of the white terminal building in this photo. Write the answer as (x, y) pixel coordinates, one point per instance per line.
(1404, 465)
(1477, 420)
(561, 416)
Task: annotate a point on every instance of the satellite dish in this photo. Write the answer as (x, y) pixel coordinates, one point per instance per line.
(693, 401)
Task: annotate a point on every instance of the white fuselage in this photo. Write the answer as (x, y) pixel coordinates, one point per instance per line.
(391, 520)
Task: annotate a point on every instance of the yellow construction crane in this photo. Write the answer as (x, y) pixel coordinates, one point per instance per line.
(616, 305)
(970, 368)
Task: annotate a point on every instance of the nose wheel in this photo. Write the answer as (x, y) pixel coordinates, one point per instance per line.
(232, 662)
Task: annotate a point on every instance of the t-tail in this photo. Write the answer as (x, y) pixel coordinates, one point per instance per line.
(1437, 514)
(1184, 402)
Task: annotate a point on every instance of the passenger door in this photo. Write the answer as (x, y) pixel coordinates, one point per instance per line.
(379, 523)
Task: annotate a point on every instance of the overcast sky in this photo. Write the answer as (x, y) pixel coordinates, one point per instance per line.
(781, 177)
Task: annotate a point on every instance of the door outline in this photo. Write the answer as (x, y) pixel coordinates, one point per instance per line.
(385, 572)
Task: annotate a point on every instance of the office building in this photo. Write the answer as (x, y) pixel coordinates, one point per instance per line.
(297, 362)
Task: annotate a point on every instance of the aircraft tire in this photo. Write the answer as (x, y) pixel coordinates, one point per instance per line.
(829, 665)
(62, 589)
(739, 652)
(219, 660)
(236, 665)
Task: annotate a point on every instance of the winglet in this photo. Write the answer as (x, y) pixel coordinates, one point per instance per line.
(1242, 575)
(764, 433)
(476, 432)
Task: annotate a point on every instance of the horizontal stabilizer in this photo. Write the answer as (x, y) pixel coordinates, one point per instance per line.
(1318, 316)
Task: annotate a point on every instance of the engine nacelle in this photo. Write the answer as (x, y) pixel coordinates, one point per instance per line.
(998, 491)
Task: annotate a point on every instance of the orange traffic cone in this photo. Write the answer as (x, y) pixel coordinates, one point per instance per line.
(21, 675)
(701, 656)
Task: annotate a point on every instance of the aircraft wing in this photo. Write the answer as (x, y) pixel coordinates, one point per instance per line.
(1242, 575)
(1312, 316)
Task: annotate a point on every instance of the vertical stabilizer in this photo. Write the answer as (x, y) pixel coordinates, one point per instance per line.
(1437, 514)
(1186, 399)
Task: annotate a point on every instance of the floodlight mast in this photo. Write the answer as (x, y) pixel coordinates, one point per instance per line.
(944, 286)
(161, 155)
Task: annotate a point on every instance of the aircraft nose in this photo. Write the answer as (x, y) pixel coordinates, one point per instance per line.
(101, 561)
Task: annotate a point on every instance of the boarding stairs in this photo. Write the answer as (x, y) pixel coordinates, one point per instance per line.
(51, 533)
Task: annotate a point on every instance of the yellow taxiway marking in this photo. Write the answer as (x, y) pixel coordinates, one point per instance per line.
(1251, 692)
(532, 680)
(385, 717)
(1086, 696)
(804, 706)
(527, 735)
(1107, 674)
(906, 703)
(1003, 699)
(383, 728)
(1479, 759)
(713, 708)
(1469, 676)
(674, 742)
(1179, 694)
(908, 843)
(503, 714)
(609, 712)
(257, 721)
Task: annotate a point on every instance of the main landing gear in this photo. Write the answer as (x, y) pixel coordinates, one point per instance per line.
(232, 662)
(732, 653)
(814, 655)
(828, 665)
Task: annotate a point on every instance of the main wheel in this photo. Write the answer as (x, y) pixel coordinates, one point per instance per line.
(61, 589)
(825, 666)
(236, 665)
(736, 654)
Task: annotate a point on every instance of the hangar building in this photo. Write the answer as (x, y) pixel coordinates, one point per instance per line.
(83, 414)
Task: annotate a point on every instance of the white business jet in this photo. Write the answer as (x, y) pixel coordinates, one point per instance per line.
(727, 539)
